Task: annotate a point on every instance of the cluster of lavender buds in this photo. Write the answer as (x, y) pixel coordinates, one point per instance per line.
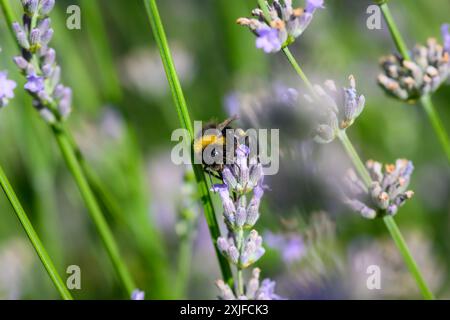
(7, 87)
(428, 68)
(254, 289)
(335, 109)
(243, 245)
(387, 193)
(285, 25)
(38, 62)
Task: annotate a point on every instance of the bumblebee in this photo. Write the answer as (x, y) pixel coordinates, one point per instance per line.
(213, 138)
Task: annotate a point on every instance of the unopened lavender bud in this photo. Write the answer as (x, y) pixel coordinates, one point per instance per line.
(30, 6)
(47, 36)
(44, 25)
(65, 104)
(229, 178)
(21, 36)
(47, 115)
(55, 78)
(233, 254)
(324, 134)
(47, 6)
(20, 62)
(256, 172)
(253, 284)
(222, 244)
(50, 56)
(59, 91)
(35, 37)
(241, 216)
(46, 70)
(225, 291)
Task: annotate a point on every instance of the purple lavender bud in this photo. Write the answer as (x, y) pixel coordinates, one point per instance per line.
(47, 6)
(56, 76)
(445, 29)
(47, 70)
(44, 25)
(256, 172)
(233, 254)
(34, 83)
(268, 40)
(47, 115)
(30, 6)
(6, 89)
(35, 37)
(47, 36)
(50, 56)
(65, 104)
(20, 62)
(313, 5)
(241, 216)
(43, 96)
(137, 295)
(229, 178)
(21, 36)
(222, 244)
(227, 203)
(58, 92)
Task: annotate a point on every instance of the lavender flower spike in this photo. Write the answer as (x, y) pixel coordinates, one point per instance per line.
(243, 245)
(38, 63)
(285, 25)
(6, 89)
(428, 69)
(335, 109)
(387, 193)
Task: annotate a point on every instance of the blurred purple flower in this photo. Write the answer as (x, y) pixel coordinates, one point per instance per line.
(34, 83)
(291, 246)
(137, 295)
(445, 29)
(268, 40)
(6, 89)
(313, 5)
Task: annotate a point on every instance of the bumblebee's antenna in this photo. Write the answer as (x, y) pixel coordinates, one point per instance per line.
(224, 124)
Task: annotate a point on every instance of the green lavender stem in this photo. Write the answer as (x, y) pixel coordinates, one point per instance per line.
(67, 150)
(436, 123)
(297, 68)
(396, 35)
(389, 221)
(425, 100)
(32, 235)
(357, 162)
(407, 257)
(183, 115)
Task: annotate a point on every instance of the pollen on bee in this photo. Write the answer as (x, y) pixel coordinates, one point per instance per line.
(206, 140)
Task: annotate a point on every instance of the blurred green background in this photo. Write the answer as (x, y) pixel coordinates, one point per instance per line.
(123, 117)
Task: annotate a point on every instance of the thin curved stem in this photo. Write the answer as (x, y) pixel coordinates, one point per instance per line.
(34, 238)
(437, 124)
(297, 68)
(185, 121)
(73, 164)
(407, 257)
(396, 35)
